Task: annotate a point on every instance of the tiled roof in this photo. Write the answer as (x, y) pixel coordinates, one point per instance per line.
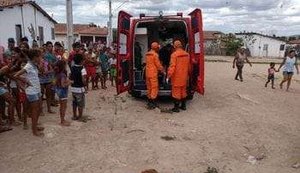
(61, 28)
(11, 3)
(294, 41)
(254, 33)
(211, 35)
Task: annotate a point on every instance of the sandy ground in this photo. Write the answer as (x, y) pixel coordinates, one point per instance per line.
(221, 129)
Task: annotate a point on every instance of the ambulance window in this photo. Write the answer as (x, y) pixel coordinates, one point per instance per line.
(123, 44)
(197, 42)
(126, 24)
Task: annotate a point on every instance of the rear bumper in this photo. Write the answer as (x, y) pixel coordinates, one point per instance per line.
(142, 93)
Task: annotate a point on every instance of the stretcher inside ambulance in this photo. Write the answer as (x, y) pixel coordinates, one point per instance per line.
(135, 36)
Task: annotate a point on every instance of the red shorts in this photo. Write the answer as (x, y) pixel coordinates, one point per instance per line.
(91, 71)
(22, 97)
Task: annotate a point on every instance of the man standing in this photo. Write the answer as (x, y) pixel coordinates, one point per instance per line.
(239, 61)
(178, 72)
(153, 66)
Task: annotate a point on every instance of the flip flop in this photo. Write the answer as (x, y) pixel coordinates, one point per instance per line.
(5, 129)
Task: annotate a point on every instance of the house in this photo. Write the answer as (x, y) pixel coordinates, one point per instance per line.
(82, 32)
(20, 18)
(212, 42)
(260, 45)
(294, 43)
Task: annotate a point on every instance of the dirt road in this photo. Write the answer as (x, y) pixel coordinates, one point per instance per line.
(236, 127)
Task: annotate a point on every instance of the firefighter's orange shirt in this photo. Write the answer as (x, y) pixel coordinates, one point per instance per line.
(153, 64)
(179, 68)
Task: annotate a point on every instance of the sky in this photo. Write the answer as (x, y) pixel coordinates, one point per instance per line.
(279, 17)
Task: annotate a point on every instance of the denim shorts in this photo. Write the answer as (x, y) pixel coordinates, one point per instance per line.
(33, 97)
(78, 100)
(3, 91)
(62, 93)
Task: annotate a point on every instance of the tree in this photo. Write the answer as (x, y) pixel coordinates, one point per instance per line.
(232, 44)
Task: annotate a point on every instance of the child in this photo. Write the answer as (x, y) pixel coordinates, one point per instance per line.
(113, 69)
(33, 91)
(103, 58)
(90, 65)
(62, 84)
(78, 74)
(271, 75)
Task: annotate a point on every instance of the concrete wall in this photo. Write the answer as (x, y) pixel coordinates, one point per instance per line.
(258, 43)
(10, 17)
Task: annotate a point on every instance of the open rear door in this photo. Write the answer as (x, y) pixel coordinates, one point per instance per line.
(197, 44)
(124, 53)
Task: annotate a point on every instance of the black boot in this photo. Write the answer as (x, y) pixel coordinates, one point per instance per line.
(176, 107)
(150, 104)
(183, 104)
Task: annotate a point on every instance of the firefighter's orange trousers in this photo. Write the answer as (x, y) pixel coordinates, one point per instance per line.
(179, 92)
(152, 87)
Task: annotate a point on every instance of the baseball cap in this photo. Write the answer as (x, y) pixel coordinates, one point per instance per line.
(11, 40)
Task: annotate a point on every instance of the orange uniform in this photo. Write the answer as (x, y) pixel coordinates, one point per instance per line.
(153, 66)
(179, 71)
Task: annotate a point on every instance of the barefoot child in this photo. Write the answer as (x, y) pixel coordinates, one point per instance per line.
(113, 69)
(78, 76)
(271, 75)
(62, 84)
(33, 91)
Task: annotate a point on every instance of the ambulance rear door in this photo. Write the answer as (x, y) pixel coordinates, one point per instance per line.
(197, 51)
(124, 53)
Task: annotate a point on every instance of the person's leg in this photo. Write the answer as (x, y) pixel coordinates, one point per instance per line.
(81, 105)
(49, 98)
(272, 82)
(285, 78)
(11, 105)
(289, 82)
(266, 85)
(26, 112)
(74, 107)
(104, 80)
(183, 98)
(176, 96)
(87, 81)
(240, 69)
(35, 107)
(2, 108)
(16, 94)
(63, 108)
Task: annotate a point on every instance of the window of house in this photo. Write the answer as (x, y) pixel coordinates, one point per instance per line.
(265, 47)
(52, 33)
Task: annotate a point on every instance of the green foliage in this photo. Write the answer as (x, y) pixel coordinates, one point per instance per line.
(232, 44)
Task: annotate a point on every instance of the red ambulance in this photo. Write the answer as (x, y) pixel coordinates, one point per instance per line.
(134, 37)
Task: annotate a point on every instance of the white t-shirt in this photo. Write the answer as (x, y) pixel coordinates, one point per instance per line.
(112, 61)
(33, 77)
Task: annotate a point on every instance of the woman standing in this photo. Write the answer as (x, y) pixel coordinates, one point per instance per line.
(289, 63)
(239, 62)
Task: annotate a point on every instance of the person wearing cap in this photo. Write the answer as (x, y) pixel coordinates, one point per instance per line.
(7, 54)
(289, 64)
(153, 66)
(239, 62)
(178, 72)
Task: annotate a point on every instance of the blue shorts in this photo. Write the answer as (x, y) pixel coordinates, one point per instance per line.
(3, 91)
(33, 97)
(288, 74)
(62, 93)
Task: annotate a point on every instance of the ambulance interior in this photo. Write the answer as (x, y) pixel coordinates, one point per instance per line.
(164, 32)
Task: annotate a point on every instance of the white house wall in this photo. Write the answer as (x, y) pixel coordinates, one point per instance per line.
(257, 47)
(10, 17)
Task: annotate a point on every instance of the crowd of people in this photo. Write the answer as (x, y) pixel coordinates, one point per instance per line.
(30, 75)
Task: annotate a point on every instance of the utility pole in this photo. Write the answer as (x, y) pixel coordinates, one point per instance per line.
(109, 24)
(69, 24)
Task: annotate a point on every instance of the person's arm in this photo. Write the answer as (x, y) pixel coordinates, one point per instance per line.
(4, 70)
(248, 62)
(296, 65)
(65, 82)
(234, 60)
(172, 66)
(283, 62)
(158, 64)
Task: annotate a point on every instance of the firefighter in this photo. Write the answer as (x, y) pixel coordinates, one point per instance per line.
(178, 73)
(153, 67)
